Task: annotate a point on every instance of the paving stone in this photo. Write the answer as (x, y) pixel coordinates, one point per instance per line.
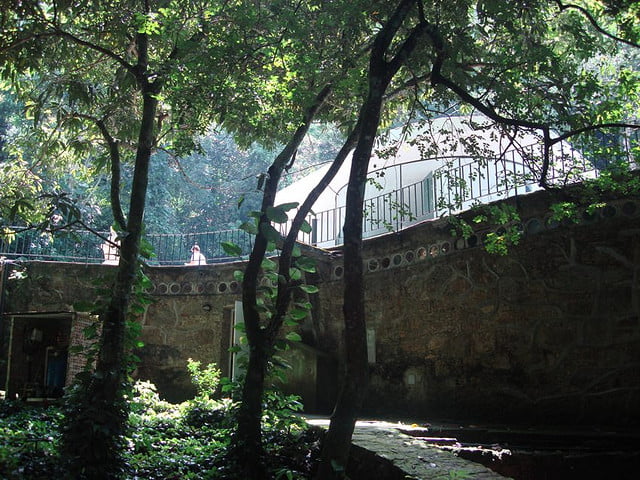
(419, 460)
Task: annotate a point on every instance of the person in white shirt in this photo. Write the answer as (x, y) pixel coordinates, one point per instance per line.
(197, 258)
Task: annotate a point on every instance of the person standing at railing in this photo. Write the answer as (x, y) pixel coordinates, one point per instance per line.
(197, 258)
(111, 249)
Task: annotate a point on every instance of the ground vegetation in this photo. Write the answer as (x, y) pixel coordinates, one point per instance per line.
(163, 440)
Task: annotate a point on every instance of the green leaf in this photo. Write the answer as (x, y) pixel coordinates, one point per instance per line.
(305, 227)
(249, 227)
(268, 265)
(277, 215)
(76, 349)
(137, 309)
(231, 249)
(270, 233)
(272, 276)
(296, 252)
(295, 274)
(304, 305)
(293, 337)
(298, 314)
(281, 345)
(307, 264)
(238, 275)
(288, 206)
(269, 292)
(309, 288)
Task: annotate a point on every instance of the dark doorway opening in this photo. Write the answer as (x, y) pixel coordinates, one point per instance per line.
(38, 356)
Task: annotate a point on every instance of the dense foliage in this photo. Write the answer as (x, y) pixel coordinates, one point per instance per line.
(163, 440)
(197, 192)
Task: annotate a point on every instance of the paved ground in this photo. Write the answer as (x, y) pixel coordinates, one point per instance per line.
(418, 460)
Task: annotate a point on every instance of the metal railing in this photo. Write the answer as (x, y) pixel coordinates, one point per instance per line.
(458, 184)
(86, 247)
(464, 181)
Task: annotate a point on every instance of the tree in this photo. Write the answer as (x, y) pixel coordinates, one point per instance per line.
(132, 75)
(266, 309)
(384, 63)
(78, 47)
(115, 75)
(483, 54)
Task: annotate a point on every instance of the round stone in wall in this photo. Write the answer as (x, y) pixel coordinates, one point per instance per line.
(534, 226)
(609, 211)
(338, 271)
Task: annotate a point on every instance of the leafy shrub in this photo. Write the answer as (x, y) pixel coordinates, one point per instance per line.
(201, 412)
(29, 439)
(205, 379)
(145, 399)
(163, 440)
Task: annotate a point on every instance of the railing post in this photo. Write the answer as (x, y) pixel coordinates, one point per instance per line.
(314, 233)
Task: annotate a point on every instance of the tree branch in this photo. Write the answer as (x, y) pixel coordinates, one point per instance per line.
(487, 109)
(595, 23)
(590, 128)
(114, 155)
(96, 48)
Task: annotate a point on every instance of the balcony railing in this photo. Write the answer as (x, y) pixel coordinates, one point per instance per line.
(458, 184)
(82, 246)
(464, 181)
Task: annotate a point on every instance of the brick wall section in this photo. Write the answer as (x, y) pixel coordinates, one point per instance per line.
(77, 362)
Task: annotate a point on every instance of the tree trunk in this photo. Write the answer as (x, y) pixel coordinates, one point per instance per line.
(247, 451)
(93, 439)
(337, 442)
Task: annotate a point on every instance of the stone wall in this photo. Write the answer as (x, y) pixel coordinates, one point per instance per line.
(548, 333)
(190, 316)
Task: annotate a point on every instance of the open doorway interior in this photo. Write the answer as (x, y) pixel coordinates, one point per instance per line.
(38, 356)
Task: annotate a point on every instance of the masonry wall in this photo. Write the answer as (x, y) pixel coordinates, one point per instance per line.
(549, 333)
(190, 315)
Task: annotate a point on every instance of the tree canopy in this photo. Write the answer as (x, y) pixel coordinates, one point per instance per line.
(114, 86)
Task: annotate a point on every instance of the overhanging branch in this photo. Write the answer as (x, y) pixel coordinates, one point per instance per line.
(594, 23)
